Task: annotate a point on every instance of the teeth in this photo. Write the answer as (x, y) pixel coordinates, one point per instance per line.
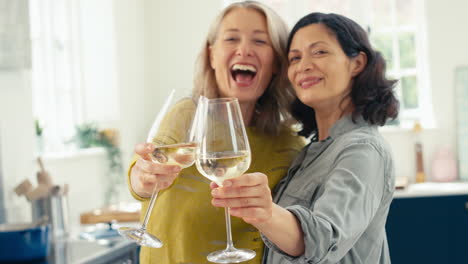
(243, 67)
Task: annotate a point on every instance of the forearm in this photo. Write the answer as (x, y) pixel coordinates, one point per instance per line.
(284, 230)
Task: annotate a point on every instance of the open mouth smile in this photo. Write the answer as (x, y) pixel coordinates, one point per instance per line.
(243, 74)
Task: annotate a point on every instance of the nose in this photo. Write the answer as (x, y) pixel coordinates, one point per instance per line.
(305, 65)
(244, 49)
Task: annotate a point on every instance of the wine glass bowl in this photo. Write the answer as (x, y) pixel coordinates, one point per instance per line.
(223, 153)
(221, 166)
(174, 141)
(182, 154)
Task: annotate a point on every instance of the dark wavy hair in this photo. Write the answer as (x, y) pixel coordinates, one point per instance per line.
(372, 94)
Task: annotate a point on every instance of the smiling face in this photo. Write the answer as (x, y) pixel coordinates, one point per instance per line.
(242, 55)
(319, 70)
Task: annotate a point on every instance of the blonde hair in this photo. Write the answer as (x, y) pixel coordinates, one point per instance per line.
(272, 108)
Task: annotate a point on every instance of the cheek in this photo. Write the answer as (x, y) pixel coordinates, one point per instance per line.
(220, 57)
(219, 61)
(268, 59)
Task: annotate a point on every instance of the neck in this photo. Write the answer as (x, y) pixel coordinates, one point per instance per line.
(327, 118)
(247, 110)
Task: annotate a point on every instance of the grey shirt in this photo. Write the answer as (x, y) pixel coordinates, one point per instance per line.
(340, 190)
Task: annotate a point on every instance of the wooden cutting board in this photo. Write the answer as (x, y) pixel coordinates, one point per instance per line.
(119, 213)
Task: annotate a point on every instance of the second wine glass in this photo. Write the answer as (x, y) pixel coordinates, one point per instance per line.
(174, 141)
(223, 153)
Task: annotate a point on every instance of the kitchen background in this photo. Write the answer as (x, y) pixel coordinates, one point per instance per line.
(115, 60)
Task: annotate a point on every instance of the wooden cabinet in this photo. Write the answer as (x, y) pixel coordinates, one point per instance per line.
(428, 229)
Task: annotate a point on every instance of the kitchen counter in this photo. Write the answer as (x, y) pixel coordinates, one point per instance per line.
(74, 251)
(432, 189)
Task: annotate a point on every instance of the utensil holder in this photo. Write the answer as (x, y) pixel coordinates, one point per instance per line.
(54, 208)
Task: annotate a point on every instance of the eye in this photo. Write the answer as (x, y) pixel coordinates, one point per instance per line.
(320, 52)
(294, 59)
(230, 39)
(260, 41)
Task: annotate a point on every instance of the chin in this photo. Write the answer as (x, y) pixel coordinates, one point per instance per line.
(245, 98)
(244, 93)
(307, 100)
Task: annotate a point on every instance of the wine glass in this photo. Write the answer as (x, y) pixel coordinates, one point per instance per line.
(174, 138)
(223, 153)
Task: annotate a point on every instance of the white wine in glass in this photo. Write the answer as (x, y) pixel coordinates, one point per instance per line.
(176, 117)
(223, 153)
(220, 166)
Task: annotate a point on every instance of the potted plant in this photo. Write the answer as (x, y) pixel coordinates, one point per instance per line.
(88, 135)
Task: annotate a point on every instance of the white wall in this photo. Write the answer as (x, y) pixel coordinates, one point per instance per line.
(16, 125)
(16, 122)
(131, 57)
(177, 31)
(157, 43)
(98, 60)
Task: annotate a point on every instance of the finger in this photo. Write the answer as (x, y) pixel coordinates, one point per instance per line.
(213, 185)
(145, 183)
(239, 202)
(241, 192)
(156, 168)
(158, 182)
(144, 150)
(147, 188)
(147, 178)
(248, 179)
(166, 178)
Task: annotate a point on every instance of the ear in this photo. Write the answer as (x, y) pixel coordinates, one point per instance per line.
(358, 63)
(210, 54)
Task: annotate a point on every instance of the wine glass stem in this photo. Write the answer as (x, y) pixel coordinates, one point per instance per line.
(150, 207)
(229, 245)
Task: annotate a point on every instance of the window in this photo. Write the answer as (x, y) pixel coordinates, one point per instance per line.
(73, 67)
(397, 29)
(55, 70)
(398, 32)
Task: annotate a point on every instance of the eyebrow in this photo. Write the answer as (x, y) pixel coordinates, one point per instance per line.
(256, 31)
(312, 45)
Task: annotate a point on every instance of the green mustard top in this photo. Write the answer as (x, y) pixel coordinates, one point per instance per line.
(190, 227)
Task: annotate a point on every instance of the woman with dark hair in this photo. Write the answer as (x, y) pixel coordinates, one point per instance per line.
(333, 204)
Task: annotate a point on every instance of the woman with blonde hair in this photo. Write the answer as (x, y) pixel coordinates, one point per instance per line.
(243, 57)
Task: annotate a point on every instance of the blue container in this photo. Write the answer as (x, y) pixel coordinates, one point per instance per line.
(21, 242)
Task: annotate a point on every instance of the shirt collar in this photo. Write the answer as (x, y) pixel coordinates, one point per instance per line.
(345, 124)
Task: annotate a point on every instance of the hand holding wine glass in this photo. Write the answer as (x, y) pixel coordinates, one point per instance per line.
(170, 144)
(247, 196)
(223, 153)
(147, 175)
